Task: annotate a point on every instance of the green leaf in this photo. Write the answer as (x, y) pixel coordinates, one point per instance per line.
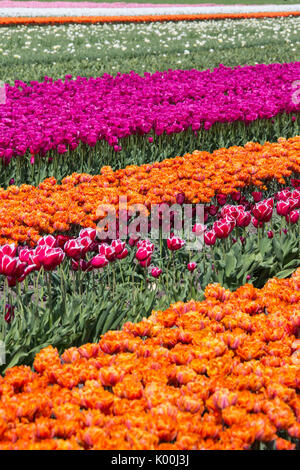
(230, 264)
(285, 273)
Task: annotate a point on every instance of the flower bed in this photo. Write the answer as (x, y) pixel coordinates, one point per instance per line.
(27, 212)
(83, 118)
(219, 374)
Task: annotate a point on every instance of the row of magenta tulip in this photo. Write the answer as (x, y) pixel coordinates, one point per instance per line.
(60, 126)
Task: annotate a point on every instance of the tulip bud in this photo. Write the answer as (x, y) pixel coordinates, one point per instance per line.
(156, 272)
(9, 313)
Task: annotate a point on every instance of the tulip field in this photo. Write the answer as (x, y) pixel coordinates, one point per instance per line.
(149, 226)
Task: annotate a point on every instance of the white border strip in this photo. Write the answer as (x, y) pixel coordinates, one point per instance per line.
(172, 10)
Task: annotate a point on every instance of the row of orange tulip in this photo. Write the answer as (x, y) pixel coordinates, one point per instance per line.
(217, 374)
(28, 212)
(4, 21)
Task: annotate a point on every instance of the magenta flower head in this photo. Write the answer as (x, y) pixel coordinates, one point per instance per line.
(248, 277)
(263, 211)
(212, 210)
(8, 249)
(223, 227)
(88, 232)
(74, 249)
(150, 139)
(192, 266)
(199, 229)
(243, 219)
(270, 234)
(210, 237)
(48, 241)
(118, 246)
(292, 217)
(108, 251)
(11, 181)
(180, 198)
(156, 272)
(99, 261)
(143, 253)
(52, 258)
(8, 265)
(236, 196)
(221, 198)
(146, 262)
(257, 196)
(283, 208)
(123, 254)
(175, 243)
(61, 240)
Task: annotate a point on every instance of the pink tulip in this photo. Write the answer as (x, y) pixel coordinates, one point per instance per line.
(236, 196)
(145, 262)
(192, 266)
(123, 254)
(74, 249)
(223, 227)
(175, 243)
(99, 261)
(180, 198)
(48, 241)
(8, 265)
(210, 238)
(292, 217)
(156, 272)
(52, 258)
(213, 210)
(262, 211)
(283, 208)
(108, 251)
(243, 219)
(221, 198)
(257, 196)
(142, 254)
(88, 232)
(118, 246)
(8, 249)
(199, 229)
